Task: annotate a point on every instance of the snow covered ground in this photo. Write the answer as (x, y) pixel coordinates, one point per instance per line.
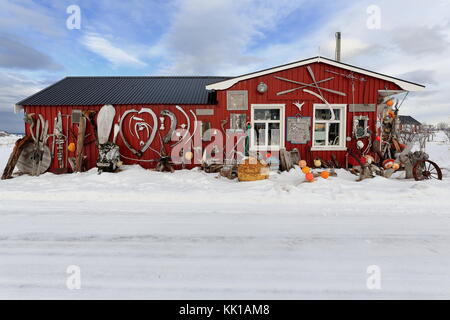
(190, 235)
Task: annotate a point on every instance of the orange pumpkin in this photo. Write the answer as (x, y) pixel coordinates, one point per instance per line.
(309, 177)
(325, 174)
(306, 170)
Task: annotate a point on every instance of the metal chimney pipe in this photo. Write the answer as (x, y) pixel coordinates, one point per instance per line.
(338, 47)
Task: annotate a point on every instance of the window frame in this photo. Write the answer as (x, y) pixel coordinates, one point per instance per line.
(281, 121)
(342, 130)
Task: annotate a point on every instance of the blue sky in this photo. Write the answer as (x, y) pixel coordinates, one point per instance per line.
(213, 37)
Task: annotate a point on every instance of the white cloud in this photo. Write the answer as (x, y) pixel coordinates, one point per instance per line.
(28, 16)
(16, 86)
(213, 37)
(104, 48)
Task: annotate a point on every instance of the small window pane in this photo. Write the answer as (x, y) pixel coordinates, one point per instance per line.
(260, 134)
(267, 114)
(333, 134)
(274, 134)
(325, 114)
(319, 134)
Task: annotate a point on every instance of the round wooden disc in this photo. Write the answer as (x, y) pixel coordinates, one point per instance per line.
(25, 162)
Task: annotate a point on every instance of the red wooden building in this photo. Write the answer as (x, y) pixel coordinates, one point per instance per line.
(319, 106)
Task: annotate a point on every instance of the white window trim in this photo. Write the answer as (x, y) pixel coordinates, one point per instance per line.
(282, 126)
(343, 130)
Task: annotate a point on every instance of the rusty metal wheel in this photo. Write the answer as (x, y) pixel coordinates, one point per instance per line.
(426, 170)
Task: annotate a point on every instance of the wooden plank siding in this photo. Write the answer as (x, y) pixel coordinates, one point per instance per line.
(365, 92)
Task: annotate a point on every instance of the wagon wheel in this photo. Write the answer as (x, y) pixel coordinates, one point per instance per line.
(426, 169)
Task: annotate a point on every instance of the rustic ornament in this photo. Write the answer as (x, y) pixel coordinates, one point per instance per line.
(388, 163)
(262, 87)
(302, 163)
(317, 163)
(359, 144)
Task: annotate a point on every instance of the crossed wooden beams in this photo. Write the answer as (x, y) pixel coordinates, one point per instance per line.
(314, 84)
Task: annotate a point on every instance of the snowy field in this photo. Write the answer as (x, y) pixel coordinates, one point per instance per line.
(190, 235)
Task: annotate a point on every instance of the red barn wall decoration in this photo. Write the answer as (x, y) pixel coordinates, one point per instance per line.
(268, 98)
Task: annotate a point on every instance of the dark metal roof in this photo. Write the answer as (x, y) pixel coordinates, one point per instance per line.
(125, 90)
(408, 120)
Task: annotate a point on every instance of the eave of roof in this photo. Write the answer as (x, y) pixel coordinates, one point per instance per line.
(405, 85)
(408, 120)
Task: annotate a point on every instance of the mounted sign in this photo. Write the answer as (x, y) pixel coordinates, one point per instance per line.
(362, 107)
(298, 130)
(204, 112)
(237, 100)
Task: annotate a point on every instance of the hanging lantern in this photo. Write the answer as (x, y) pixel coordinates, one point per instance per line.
(71, 147)
(309, 177)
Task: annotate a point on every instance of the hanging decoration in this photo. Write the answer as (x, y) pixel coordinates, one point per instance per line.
(173, 124)
(183, 126)
(141, 126)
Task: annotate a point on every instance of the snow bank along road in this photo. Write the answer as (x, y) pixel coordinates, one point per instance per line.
(143, 234)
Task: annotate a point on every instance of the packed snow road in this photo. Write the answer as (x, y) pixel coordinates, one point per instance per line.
(188, 235)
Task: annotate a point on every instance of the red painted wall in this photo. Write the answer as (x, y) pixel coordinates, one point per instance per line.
(365, 92)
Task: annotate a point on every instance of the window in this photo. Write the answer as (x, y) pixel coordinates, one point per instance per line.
(329, 134)
(267, 127)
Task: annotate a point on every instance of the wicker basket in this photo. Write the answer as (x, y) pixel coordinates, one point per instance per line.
(252, 169)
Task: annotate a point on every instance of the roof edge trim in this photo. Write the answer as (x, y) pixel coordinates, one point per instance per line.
(405, 85)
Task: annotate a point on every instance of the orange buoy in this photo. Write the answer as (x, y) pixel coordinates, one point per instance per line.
(309, 177)
(325, 174)
(71, 147)
(306, 170)
(302, 163)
